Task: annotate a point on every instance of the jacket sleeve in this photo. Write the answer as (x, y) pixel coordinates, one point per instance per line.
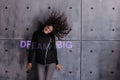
(55, 50)
(31, 49)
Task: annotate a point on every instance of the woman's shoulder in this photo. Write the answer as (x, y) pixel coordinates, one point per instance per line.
(37, 32)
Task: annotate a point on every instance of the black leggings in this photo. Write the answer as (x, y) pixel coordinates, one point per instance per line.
(45, 72)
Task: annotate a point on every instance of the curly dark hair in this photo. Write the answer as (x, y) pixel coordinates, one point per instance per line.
(59, 22)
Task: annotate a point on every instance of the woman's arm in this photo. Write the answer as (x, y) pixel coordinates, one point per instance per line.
(31, 48)
(58, 66)
(55, 50)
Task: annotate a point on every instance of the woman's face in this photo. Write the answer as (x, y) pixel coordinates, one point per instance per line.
(48, 29)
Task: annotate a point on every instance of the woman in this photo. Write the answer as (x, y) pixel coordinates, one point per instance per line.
(45, 47)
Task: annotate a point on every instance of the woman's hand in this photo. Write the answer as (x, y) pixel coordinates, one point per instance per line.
(29, 66)
(59, 67)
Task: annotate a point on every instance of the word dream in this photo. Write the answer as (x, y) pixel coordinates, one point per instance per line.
(59, 44)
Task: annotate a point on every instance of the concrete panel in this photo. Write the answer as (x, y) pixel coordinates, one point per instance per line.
(3, 62)
(100, 20)
(7, 20)
(70, 59)
(29, 12)
(12, 60)
(100, 60)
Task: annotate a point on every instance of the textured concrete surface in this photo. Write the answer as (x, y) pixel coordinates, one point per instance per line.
(95, 38)
(18, 20)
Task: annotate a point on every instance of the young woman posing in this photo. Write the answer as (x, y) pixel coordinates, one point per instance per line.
(45, 45)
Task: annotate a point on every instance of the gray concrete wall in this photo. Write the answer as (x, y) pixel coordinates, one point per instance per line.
(95, 38)
(100, 40)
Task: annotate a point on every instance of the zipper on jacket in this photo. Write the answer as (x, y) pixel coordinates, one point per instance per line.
(47, 50)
